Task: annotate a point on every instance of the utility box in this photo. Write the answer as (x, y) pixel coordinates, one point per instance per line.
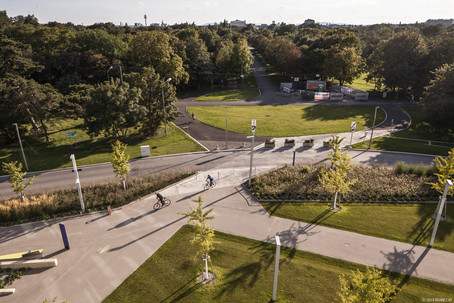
(145, 151)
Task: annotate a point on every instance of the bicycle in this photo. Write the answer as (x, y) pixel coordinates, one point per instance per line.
(159, 205)
(208, 185)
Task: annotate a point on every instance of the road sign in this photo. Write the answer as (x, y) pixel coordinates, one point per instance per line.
(253, 125)
(71, 134)
(353, 127)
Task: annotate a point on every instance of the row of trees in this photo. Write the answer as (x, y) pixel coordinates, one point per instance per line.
(405, 60)
(54, 69)
(396, 58)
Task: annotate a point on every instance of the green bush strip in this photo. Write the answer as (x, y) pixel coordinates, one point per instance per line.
(245, 270)
(374, 184)
(96, 197)
(230, 95)
(285, 121)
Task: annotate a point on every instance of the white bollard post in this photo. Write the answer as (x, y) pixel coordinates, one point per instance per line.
(276, 266)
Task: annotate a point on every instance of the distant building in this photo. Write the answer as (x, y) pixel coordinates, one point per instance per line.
(238, 23)
(309, 22)
(445, 22)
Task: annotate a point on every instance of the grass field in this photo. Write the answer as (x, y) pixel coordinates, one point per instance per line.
(230, 95)
(55, 154)
(411, 223)
(415, 139)
(245, 270)
(361, 84)
(288, 120)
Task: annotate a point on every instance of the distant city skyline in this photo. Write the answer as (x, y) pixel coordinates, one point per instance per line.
(365, 12)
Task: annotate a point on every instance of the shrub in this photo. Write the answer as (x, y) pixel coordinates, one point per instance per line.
(374, 184)
(305, 169)
(289, 140)
(270, 141)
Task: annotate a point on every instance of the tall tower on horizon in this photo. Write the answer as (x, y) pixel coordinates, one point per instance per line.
(145, 17)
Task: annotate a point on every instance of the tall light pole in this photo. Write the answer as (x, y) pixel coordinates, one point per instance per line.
(252, 149)
(110, 68)
(226, 131)
(20, 143)
(164, 104)
(448, 184)
(373, 126)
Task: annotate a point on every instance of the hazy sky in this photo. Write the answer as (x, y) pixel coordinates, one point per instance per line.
(253, 11)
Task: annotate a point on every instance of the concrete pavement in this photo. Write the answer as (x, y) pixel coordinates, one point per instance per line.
(105, 249)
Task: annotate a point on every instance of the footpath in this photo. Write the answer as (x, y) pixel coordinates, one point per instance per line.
(106, 249)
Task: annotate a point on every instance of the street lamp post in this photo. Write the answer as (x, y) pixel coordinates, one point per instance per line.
(110, 68)
(373, 126)
(252, 149)
(226, 130)
(164, 104)
(22, 149)
(121, 74)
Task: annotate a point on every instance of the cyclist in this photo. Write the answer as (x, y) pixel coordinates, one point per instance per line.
(160, 198)
(210, 178)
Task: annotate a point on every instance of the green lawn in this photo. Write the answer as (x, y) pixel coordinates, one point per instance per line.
(419, 130)
(230, 95)
(55, 154)
(361, 84)
(245, 271)
(411, 223)
(285, 121)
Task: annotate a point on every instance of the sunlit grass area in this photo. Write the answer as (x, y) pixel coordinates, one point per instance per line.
(230, 95)
(244, 270)
(288, 120)
(55, 154)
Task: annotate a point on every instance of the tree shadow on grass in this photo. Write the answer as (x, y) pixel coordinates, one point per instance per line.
(423, 228)
(247, 274)
(183, 291)
(322, 113)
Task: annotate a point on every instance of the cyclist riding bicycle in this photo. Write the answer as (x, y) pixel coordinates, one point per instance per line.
(160, 198)
(211, 180)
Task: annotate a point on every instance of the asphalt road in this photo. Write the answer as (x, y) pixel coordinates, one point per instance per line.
(91, 174)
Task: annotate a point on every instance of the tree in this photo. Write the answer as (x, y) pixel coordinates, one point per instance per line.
(342, 64)
(439, 99)
(335, 179)
(151, 87)
(445, 168)
(153, 49)
(223, 54)
(34, 100)
(17, 177)
(241, 58)
(200, 66)
(113, 109)
(369, 287)
(204, 233)
(120, 161)
(398, 59)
